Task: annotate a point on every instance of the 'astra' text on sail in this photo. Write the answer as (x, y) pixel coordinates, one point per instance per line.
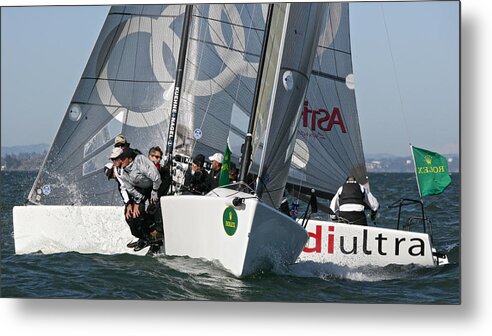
(322, 119)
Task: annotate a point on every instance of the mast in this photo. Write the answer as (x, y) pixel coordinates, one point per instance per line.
(248, 147)
(179, 81)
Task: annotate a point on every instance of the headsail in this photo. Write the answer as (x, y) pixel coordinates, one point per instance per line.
(126, 88)
(329, 145)
(293, 38)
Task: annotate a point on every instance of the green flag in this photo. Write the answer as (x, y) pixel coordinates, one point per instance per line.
(431, 170)
(224, 170)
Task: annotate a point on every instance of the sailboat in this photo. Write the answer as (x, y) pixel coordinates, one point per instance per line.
(329, 149)
(129, 87)
(307, 139)
(246, 233)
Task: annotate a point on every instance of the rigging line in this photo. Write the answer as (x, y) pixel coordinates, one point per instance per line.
(233, 24)
(247, 39)
(405, 124)
(127, 80)
(266, 190)
(218, 45)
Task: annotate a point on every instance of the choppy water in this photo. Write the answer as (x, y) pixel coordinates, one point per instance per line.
(74, 275)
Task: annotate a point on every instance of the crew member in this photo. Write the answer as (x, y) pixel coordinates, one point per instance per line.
(154, 210)
(233, 171)
(351, 200)
(142, 181)
(196, 179)
(214, 176)
(155, 155)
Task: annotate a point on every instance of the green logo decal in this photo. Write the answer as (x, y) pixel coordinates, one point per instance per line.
(229, 219)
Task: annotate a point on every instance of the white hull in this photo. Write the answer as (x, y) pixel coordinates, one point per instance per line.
(193, 226)
(83, 229)
(249, 238)
(355, 245)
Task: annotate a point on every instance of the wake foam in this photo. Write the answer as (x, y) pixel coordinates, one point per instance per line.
(330, 271)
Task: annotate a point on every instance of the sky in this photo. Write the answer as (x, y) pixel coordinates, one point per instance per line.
(405, 58)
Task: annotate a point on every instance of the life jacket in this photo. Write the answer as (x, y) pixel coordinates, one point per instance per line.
(351, 194)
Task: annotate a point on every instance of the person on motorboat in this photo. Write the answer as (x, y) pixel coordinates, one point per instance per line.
(351, 200)
(216, 162)
(142, 181)
(196, 180)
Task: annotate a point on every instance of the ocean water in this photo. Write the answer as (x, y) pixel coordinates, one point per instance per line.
(127, 277)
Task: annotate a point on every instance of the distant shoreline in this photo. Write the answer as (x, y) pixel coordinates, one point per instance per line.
(30, 158)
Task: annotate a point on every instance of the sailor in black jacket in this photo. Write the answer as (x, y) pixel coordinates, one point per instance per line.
(350, 201)
(196, 178)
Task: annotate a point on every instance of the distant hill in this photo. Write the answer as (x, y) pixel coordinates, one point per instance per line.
(23, 157)
(31, 158)
(394, 164)
(29, 149)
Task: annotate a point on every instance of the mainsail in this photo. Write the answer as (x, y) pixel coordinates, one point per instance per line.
(220, 74)
(329, 145)
(126, 88)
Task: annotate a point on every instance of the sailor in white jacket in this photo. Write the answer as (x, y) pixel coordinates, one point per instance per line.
(350, 201)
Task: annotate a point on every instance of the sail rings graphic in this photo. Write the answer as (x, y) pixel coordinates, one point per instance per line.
(225, 46)
(234, 63)
(143, 24)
